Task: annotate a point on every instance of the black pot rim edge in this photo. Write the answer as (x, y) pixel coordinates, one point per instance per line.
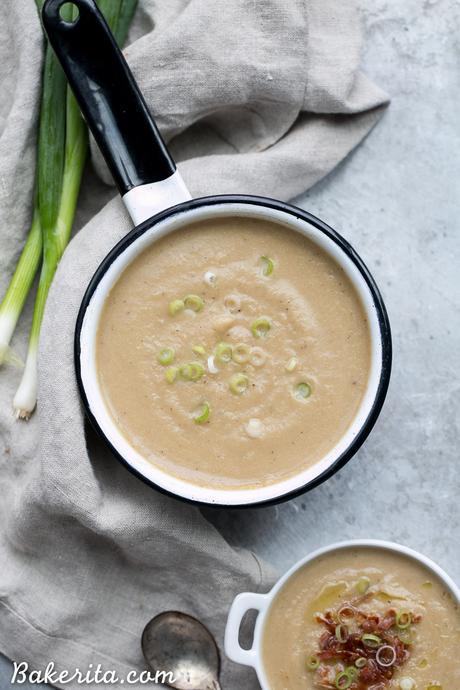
(384, 326)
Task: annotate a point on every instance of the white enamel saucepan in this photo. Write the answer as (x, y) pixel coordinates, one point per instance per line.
(249, 601)
(159, 203)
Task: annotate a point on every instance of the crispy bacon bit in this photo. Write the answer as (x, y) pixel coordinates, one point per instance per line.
(388, 621)
(337, 656)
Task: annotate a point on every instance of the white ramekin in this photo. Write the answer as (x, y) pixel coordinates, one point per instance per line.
(262, 602)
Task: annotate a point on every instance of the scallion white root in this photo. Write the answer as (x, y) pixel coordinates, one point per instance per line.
(26, 396)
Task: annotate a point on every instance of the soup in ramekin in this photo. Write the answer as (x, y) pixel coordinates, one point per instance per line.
(362, 619)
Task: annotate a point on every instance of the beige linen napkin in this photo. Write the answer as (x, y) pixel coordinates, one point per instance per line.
(256, 97)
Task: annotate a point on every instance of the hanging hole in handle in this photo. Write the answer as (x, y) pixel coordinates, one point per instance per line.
(69, 12)
(246, 631)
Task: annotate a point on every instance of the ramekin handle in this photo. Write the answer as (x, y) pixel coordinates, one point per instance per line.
(242, 604)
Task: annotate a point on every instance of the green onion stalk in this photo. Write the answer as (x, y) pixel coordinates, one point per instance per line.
(62, 151)
(50, 167)
(55, 240)
(50, 173)
(18, 289)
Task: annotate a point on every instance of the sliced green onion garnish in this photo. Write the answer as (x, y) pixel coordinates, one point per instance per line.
(171, 374)
(176, 306)
(343, 680)
(241, 353)
(352, 672)
(268, 265)
(260, 327)
(363, 585)
(302, 391)
(312, 662)
(203, 413)
(423, 663)
(199, 350)
(166, 356)
(341, 632)
(434, 686)
(427, 584)
(238, 383)
(193, 302)
(257, 357)
(403, 619)
(254, 428)
(291, 364)
(372, 641)
(407, 684)
(223, 353)
(405, 636)
(361, 662)
(192, 371)
(386, 656)
(346, 612)
(210, 278)
(232, 303)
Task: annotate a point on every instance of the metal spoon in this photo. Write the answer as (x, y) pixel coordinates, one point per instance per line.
(180, 644)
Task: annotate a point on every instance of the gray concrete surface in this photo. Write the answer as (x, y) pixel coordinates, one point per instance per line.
(396, 199)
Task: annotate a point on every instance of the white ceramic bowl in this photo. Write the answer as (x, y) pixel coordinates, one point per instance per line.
(262, 602)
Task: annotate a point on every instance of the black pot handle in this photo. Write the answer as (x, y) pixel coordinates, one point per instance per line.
(109, 98)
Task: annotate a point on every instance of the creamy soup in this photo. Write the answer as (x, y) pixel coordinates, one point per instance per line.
(233, 353)
(363, 618)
